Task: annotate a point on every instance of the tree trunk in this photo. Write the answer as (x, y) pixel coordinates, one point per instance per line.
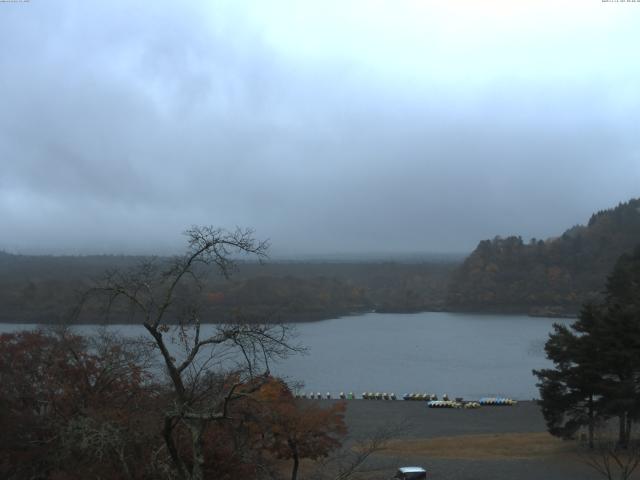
(622, 432)
(592, 421)
(296, 460)
(628, 431)
(167, 433)
(197, 444)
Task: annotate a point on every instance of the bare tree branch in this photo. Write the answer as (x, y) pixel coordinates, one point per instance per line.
(162, 294)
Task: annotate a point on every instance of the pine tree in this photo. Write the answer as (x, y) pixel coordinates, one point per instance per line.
(597, 361)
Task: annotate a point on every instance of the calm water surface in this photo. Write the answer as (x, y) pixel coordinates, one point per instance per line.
(466, 355)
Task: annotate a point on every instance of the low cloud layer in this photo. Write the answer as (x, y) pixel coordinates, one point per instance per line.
(347, 127)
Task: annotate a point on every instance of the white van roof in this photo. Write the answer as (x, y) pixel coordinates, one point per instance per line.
(412, 470)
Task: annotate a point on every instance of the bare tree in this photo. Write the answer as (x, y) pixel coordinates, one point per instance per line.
(610, 459)
(207, 371)
(353, 460)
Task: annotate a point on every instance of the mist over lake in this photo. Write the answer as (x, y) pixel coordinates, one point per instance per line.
(469, 355)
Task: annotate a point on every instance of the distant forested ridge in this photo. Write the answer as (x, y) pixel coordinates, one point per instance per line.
(44, 289)
(550, 277)
(540, 277)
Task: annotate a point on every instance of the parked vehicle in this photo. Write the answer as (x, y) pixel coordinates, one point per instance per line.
(411, 473)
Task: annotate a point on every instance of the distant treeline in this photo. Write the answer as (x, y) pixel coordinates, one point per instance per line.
(551, 277)
(45, 289)
(540, 277)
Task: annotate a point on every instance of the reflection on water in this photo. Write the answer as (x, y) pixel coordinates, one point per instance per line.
(459, 354)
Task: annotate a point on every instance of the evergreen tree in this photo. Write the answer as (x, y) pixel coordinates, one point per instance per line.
(571, 392)
(597, 361)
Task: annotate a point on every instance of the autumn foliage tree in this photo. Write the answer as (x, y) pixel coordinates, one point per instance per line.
(294, 430)
(72, 407)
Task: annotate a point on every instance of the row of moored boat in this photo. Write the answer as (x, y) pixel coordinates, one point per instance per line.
(431, 399)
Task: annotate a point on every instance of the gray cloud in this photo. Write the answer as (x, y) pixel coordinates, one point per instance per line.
(122, 124)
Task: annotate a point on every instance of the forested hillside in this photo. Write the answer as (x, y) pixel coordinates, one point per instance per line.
(45, 288)
(555, 276)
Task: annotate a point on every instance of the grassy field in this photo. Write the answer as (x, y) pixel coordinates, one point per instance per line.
(500, 446)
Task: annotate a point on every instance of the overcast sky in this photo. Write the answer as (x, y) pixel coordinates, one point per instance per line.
(329, 126)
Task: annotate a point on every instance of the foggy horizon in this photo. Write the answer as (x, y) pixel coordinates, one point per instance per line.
(293, 254)
(333, 128)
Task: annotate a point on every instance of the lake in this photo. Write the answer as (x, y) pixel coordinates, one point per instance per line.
(468, 355)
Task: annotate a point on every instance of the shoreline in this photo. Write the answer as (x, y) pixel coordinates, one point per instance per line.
(321, 317)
